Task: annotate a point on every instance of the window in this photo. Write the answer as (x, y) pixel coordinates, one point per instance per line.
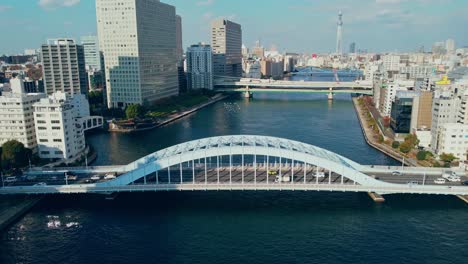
(57, 140)
(43, 140)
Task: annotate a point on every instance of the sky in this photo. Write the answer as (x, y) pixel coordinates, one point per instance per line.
(307, 26)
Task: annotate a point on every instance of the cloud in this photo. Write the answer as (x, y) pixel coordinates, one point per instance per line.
(205, 2)
(4, 8)
(54, 4)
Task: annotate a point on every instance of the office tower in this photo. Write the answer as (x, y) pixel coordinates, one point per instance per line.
(91, 52)
(226, 42)
(64, 67)
(180, 49)
(200, 67)
(259, 50)
(139, 43)
(339, 35)
(352, 48)
(450, 46)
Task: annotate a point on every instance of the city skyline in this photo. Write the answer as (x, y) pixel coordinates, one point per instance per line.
(384, 25)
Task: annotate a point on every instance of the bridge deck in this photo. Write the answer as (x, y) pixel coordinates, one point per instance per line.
(238, 178)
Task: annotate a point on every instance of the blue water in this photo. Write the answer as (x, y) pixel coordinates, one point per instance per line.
(243, 227)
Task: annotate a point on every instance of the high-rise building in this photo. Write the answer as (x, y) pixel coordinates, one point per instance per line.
(179, 46)
(64, 67)
(226, 42)
(139, 41)
(200, 67)
(450, 46)
(339, 34)
(259, 50)
(352, 47)
(91, 52)
(438, 48)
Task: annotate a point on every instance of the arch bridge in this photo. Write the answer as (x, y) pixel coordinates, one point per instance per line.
(245, 162)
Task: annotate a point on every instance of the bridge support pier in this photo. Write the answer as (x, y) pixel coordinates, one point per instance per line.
(376, 197)
(330, 94)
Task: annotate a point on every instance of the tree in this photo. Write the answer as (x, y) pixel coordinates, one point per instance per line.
(14, 155)
(422, 155)
(412, 140)
(395, 144)
(134, 111)
(95, 97)
(381, 139)
(405, 147)
(447, 158)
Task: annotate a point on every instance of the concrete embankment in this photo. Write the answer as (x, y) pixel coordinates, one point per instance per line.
(191, 111)
(13, 208)
(173, 117)
(368, 137)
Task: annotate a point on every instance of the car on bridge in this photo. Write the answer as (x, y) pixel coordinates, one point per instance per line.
(11, 180)
(272, 173)
(440, 181)
(465, 183)
(396, 173)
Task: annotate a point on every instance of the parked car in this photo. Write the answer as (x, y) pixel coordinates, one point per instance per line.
(440, 181)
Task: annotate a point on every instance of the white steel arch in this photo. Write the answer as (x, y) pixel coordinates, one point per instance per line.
(244, 145)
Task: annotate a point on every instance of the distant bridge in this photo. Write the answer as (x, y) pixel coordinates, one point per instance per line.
(244, 163)
(260, 85)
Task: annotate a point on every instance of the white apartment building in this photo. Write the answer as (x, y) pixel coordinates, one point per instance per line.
(389, 97)
(59, 128)
(63, 68)
(417, 71)
(253, 70)
(454, 140)
(199, 67)
(444, 111)
(138, 39)
(391, 62)
(17, 119)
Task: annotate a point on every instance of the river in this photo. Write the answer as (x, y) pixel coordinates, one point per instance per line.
(243, 227)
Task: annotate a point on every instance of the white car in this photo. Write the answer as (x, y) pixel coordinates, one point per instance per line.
(446, 175)
(440, 181)
(454, 179)
(96, 178)
(110, 177)
(41, 184)
(11, 180)
(320, 174)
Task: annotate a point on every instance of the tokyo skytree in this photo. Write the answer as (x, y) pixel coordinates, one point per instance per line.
(339, 35)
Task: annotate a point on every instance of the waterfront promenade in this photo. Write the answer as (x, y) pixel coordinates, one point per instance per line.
(373, 141)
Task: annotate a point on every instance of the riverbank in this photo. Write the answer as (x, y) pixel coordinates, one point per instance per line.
(173, 117)
(373, 141)
(13, 208)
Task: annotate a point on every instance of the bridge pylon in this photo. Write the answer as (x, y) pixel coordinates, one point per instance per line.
(330, 94)
(248, 93)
